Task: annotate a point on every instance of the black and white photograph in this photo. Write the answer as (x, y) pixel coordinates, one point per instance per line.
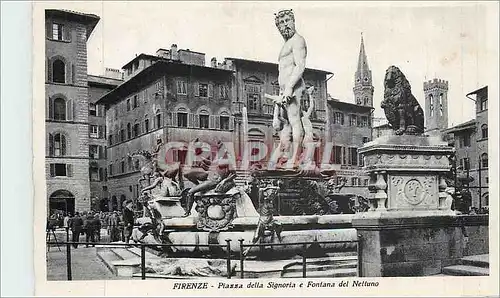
(274, 146)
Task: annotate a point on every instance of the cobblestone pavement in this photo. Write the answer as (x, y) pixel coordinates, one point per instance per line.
(85, 263)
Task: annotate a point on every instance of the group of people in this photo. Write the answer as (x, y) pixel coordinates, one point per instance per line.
(118, 225)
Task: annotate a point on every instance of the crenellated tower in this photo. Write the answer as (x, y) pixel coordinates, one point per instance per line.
(363, 85)
(436, 105)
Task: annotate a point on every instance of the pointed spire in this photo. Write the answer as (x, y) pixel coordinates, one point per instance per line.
(362, 60)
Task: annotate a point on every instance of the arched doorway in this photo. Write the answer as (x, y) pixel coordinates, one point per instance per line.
(61, 201)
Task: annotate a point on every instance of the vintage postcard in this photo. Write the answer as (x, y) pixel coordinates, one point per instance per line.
(266, 149)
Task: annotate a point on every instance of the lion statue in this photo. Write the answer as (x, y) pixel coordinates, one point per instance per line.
(400, 106)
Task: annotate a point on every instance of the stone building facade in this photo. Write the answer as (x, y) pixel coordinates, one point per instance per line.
(170, 100)
(470, 140)
(67, 115)
(97, 87)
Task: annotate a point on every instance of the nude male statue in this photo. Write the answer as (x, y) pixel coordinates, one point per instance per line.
(291, 63)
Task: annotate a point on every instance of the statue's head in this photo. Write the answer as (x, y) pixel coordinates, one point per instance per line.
(285, 21)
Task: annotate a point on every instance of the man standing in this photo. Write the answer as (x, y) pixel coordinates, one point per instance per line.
(89, 228)
(76, 228)
(66, 224)
(291, 63)
(128, 220)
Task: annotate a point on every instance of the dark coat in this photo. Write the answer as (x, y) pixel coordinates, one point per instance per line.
(128, 217)
(77, 223)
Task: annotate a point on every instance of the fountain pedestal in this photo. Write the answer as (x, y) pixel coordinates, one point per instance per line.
(409, 230)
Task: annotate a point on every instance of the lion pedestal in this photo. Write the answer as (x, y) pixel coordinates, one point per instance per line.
(409, 229)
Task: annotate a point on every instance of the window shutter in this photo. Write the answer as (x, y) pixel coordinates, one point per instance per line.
(100, 131)
(69, 109)
(49, 70)
(67, 33)
(63, 144)
(69, 170)
(211, 121)
(217, 122)
(73, 74)
(101, 154)
(196, 89)
(210, 90)
(48, 29)
(196, 119)
(52, 170)
(231, 123)
(51, 108)
(174, 119)
(51, 144)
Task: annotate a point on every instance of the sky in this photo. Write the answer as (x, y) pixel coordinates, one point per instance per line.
(425, 40)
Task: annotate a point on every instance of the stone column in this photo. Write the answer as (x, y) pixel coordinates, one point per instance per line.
(409, 230)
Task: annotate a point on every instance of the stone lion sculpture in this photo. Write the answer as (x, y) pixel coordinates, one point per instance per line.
(401, 108)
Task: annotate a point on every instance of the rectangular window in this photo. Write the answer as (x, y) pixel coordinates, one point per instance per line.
(353, 156)
(253, 102)
(203, 90)
(57, 31)
(59, 170)
(94, 174)
(204, 121)
(364, 121)
(181, 87)
(484, 104)
(338, 118)
(94, 131)
(136, 101)
(224, 122)
(92, 109)
(110, 170)
(354, 181)
(353, 120)
(146, 125)
(337, 155)
(466, 140)
(94, 151)
(366, 139)
(122, 167)
(224, 91)
(182, 119)
(365, 182)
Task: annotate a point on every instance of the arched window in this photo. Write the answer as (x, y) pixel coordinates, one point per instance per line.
(484, 131)
(204, 119)
(59, 109)
(484, 160)
(58, 71)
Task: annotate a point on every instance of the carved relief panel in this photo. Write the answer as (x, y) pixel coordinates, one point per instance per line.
(409, 192)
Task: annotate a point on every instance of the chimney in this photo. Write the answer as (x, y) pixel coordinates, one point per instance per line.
(213, 62)
(173, 52)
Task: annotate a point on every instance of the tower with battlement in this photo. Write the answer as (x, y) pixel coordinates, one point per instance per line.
(436, 105)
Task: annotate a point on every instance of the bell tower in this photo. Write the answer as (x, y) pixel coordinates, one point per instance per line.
(363, 86)
(436, 105)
